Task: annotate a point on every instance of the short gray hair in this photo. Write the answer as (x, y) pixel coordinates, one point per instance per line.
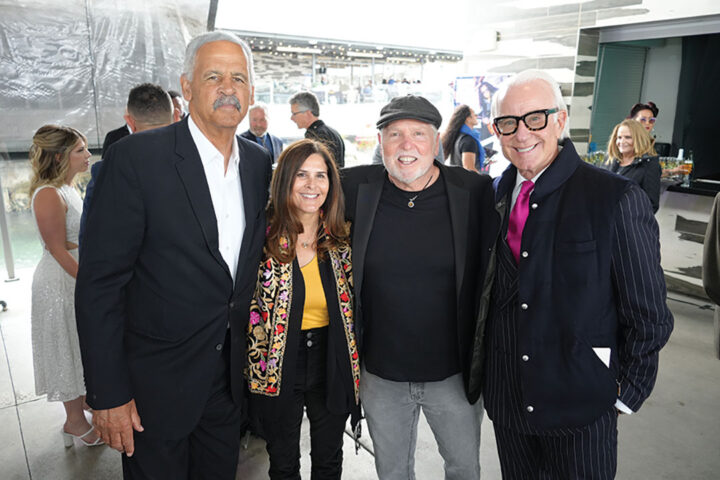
(527, 76)
(261, 106)
(306, 101)
(217, 36)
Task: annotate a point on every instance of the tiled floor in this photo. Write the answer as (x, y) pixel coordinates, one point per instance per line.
(675, 435)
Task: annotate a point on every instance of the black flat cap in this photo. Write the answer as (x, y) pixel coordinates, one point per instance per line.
(409, 106)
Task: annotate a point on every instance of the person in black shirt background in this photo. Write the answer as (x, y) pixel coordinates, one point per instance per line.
(304, 111)
(461, 142)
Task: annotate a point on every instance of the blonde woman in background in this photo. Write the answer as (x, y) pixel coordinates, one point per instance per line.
(631, 154)
(57, 154)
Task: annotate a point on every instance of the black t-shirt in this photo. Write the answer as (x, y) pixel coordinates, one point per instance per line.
(408, 292)
(330, 137)
(464, 144)
(467, 144)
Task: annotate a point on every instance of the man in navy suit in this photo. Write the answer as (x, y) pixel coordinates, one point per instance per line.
(174, 239)
(149, 106)
(577, 315)
(258, 118)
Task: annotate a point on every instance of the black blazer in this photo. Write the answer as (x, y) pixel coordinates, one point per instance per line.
(474, 223)
(646, 172)
(113, 136)
(339, 392)
(154, 297)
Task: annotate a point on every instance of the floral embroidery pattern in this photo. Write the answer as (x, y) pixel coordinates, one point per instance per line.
(342, 269)
(270, 314)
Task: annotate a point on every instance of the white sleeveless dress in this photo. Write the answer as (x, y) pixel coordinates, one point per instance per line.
(56, 349)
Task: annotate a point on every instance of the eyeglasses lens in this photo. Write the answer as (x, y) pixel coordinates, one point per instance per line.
(532, 120)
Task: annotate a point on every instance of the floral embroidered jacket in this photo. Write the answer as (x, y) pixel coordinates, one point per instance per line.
(273, 315)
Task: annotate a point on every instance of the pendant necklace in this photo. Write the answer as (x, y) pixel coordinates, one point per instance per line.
(411, 201)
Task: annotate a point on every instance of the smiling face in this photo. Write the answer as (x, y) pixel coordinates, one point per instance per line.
(624, 142)
(258, 122)
(310, 186)
(531, 151)
(472, 119)
(219, 93)
(408, 149)
(78, 160)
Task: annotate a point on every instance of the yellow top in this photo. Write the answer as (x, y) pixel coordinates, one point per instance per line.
(315, 312)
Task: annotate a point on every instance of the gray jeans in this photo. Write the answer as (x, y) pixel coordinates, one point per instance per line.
(392, 410)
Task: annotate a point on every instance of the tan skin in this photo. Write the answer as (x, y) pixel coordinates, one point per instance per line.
(309, 192)
(303, 119)
(258, 122)
(624, 143)
(50, 212)
(531, 151)
(644, 116)
(220, 70)
(409, 148)
(138, 126)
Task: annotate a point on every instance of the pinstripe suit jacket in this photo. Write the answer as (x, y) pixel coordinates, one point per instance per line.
(591, 279)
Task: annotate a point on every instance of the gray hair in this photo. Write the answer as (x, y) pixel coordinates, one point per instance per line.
(527, 76)
(306, 101)
(434, 129)
(217, 36)
(261, 106)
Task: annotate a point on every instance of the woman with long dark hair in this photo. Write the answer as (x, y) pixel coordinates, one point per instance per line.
(302, 352)
(57, 155)
(461, 142)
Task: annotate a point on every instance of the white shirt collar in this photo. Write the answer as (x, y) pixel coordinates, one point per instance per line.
(519, 179)
(208, 153)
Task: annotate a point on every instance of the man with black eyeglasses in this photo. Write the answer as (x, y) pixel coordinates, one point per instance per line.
(577, 314)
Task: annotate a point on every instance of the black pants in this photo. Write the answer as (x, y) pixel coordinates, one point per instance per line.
(282, 430)
(209, 452)
(582, 454)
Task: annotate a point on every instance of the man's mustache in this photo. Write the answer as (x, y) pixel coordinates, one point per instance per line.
(227, 100)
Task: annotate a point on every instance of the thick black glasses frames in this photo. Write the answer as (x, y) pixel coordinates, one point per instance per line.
(535, 120)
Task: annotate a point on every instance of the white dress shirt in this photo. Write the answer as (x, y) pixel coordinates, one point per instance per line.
(226, 195)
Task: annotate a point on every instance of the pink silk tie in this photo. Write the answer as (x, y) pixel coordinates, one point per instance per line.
(518, 217)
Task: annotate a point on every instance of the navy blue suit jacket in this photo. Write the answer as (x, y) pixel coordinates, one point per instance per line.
(154, 297)
(591, 278)
(277, 144)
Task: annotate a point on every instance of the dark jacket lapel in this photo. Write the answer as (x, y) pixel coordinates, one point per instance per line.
(191, 172)
(368, 197)
(459, 204)
(251, 203)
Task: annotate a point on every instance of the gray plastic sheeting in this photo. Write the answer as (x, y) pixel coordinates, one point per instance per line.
(73, 62)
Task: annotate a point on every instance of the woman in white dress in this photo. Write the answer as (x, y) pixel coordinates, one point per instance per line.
(58, 154)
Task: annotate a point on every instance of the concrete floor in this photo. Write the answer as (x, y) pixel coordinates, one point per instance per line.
(675, 435)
